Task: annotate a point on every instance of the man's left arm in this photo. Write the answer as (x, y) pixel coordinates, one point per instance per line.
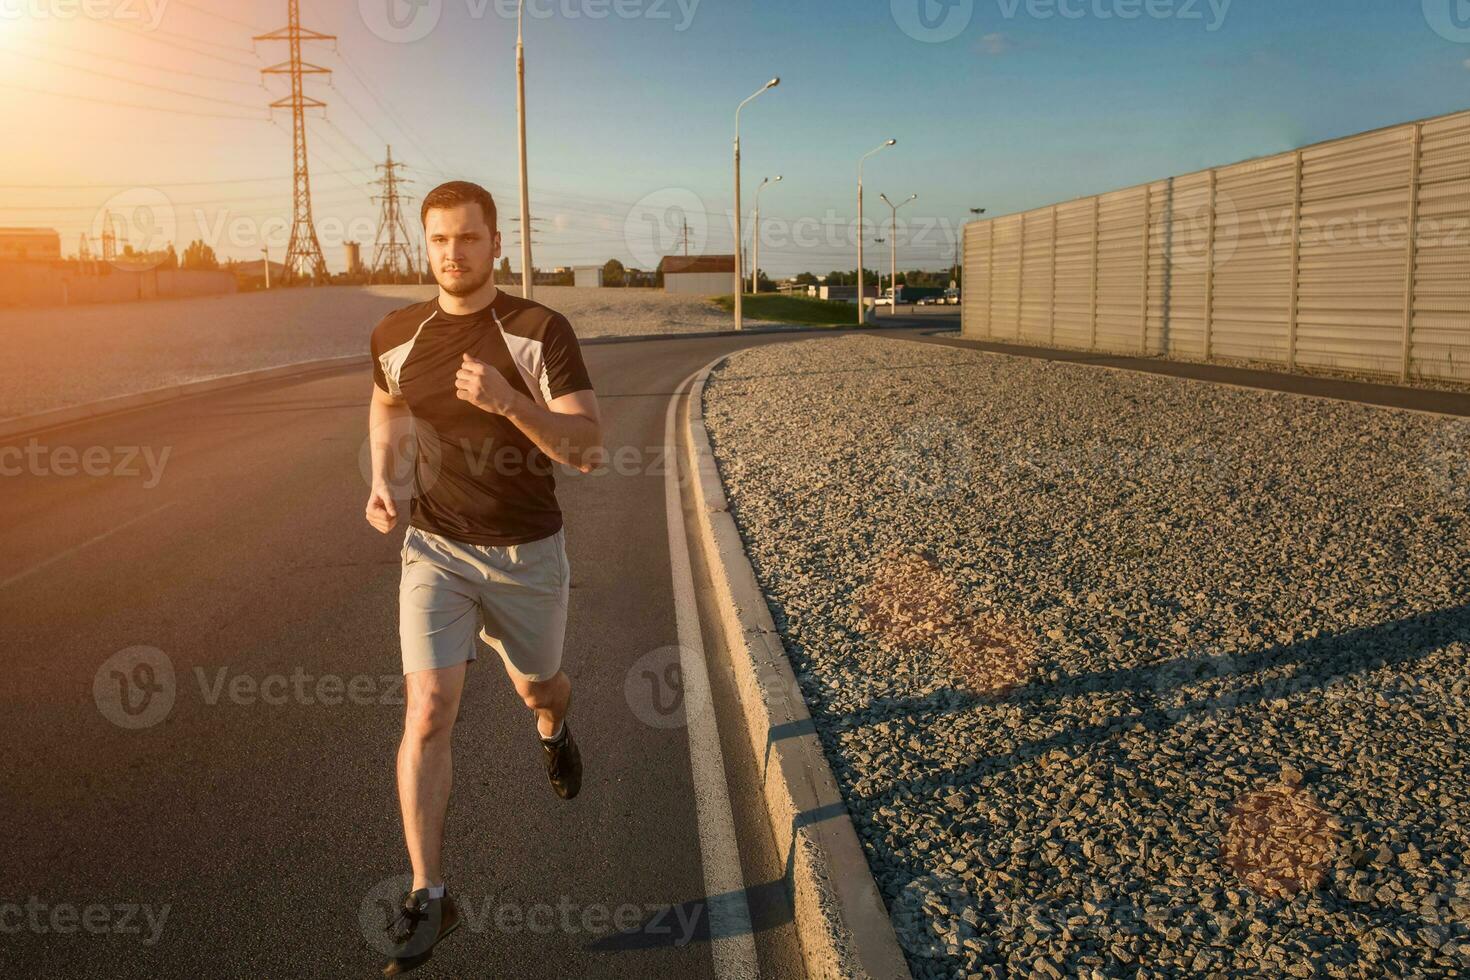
(568, 429)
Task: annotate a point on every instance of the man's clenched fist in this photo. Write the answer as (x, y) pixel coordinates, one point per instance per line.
(382, 513)
(483, 386)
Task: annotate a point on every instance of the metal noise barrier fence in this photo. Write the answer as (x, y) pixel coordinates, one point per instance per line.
(1351, 255)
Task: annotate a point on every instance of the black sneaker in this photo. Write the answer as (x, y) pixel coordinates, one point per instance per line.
(419, 925)
(563, 763)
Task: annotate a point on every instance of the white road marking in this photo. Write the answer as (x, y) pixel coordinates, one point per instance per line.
(732, 942)
(85, 544)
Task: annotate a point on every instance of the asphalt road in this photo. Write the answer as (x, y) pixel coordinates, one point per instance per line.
(235, 814)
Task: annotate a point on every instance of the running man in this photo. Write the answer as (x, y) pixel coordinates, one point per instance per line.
(497, 392)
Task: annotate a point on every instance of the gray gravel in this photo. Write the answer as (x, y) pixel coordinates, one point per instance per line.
(62, 356)
(1121, 675)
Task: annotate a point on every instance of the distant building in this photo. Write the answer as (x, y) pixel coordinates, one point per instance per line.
(587, 275)
(29, 245)
(698, 275)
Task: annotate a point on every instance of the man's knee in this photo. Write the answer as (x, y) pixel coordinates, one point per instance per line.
(430, 714)
(544, 694)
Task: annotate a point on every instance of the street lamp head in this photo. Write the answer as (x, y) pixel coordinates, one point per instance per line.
(913, 197)
(885, 200)
(778, 178)
(774, 82)
(891, 143)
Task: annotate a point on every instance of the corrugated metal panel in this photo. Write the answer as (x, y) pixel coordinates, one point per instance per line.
(1302, 259)
(1352, 287)
(1036, 275)
(1006, 275)
(1440, 337)
(1072, 320)
(1120, 270)
(1187, 256)
(975, 289)
(1253, 231)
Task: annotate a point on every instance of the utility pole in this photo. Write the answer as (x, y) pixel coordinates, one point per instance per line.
(527, 275)
(893, 251)
(861, 305)
(739, 256)
(265, 255)
(755, 234)
(390, 224)
(303, 251)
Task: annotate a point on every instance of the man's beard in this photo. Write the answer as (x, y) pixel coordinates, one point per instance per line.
(466, 285)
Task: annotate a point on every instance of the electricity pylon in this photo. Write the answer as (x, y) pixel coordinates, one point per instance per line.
(303, 251)
(393, 239)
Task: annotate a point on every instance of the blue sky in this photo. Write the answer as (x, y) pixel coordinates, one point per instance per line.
(1010, 104)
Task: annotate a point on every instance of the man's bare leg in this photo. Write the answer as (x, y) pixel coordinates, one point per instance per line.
(548, 699)
(425, 767)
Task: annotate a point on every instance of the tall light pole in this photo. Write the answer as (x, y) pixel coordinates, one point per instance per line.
(526, 277)
(739, 278)
(893, 250)
(755, 235)
(862, 308)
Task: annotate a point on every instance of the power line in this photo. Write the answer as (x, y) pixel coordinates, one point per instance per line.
(127, 105)
(129, 81)
(211, 13)
(139, 64)
(153, 36)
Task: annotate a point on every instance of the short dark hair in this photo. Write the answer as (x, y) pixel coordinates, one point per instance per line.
(455, 193)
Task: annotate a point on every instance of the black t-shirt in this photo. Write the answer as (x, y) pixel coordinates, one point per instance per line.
(478, 478)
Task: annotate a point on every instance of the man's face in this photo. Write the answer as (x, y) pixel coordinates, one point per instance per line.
(462, 251)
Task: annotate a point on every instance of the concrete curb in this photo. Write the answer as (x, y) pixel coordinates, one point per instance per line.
(24, 425)
(843, 925)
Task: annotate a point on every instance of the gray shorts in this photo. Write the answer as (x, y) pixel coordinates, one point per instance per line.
(514, 596)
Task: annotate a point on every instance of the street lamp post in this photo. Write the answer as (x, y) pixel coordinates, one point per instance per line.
(266, 254)
(526, 276)
(739, 277)
(955, 275)
(862, 308)
(755, 235)
(893, 250)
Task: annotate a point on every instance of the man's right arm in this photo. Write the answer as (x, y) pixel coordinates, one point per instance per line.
(388, 425)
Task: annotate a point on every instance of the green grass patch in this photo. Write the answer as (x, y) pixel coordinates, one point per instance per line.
(791, 309)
